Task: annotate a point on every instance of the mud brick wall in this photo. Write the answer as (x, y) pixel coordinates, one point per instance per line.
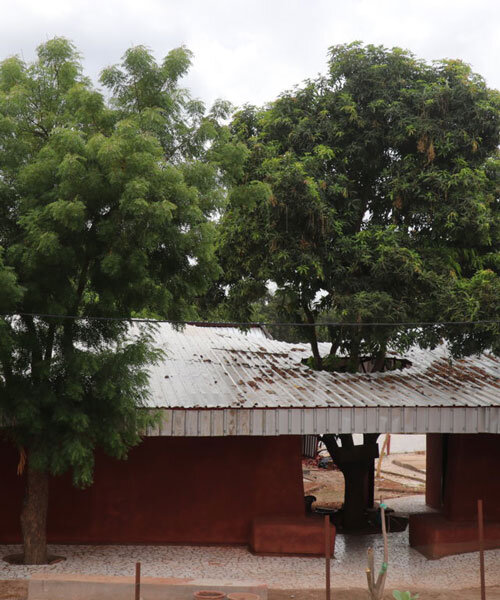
(467, 468)
(183, 490)
(472, 473)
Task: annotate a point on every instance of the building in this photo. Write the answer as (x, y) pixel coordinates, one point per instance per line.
(234, 407)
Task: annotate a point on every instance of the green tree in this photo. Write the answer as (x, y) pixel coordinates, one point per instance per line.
(103, 213)
(370, 194)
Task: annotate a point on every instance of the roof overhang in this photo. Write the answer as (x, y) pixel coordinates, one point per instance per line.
(305, 421)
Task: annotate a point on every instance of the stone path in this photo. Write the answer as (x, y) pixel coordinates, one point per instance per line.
(413, 462)
(399, 472)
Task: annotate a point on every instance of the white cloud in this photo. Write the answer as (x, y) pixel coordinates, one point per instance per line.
(251, 51)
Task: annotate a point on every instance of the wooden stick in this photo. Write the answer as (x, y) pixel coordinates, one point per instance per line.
(371, 568)
(369, 580)
(480, 524)
(379, 586)
(137, 581)
(376, 589)
(327, 555)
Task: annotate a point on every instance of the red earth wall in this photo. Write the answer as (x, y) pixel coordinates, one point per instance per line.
(184, 490)
(434, 470)
(472, 473)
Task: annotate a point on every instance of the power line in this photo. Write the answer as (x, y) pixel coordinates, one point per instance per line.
(252, 323)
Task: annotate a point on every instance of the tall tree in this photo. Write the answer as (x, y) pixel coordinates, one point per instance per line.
(103, 213)
(370, 194)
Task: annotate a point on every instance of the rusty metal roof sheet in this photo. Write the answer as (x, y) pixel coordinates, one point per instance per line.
(226, 368)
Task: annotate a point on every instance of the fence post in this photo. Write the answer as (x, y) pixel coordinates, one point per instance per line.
(327, 555)
(137, 581)
(480, 525)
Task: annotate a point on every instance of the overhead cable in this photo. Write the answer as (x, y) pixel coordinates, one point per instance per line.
(251, 323)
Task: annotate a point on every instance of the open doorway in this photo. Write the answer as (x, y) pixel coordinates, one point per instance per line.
(398, 472)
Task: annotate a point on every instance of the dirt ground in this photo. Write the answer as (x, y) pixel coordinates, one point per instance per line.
(359, 594)
(396, 479)
(13, 589)
(18, 590)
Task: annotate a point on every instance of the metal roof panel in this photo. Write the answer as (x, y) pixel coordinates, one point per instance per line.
(224, 367)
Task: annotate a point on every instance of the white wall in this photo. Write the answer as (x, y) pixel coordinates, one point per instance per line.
(411, 442)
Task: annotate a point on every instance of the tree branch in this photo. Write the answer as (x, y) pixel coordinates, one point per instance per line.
(313, 339)
(36, 350)
(50, 343)
(68, 324)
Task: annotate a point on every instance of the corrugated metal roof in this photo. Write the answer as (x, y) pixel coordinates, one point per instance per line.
(222, 367)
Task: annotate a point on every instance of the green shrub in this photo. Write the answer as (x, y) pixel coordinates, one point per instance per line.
(404, 595)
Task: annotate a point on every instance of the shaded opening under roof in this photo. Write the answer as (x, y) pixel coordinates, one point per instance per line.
(362, 364)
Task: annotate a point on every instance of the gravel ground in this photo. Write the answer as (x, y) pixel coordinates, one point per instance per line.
(408, 569)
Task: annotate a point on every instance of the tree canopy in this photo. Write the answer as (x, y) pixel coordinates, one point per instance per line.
(371, 194)
(104, 212)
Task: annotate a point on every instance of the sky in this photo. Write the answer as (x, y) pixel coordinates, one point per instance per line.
(251, 51)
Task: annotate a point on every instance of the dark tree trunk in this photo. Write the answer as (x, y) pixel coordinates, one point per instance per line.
(313, 339)
(336, 334)
(356, 498)
(356, 464)
(318, 361)
(34, 517)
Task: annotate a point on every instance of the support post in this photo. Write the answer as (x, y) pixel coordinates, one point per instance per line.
(327, 555)
(138, 581)
(480, 525)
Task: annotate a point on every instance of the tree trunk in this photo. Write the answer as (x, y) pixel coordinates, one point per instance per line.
(357, 494)
(313, 339)
(356, 464)
(34, 517)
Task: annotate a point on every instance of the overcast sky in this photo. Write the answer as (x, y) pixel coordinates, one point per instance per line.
(250, 51)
